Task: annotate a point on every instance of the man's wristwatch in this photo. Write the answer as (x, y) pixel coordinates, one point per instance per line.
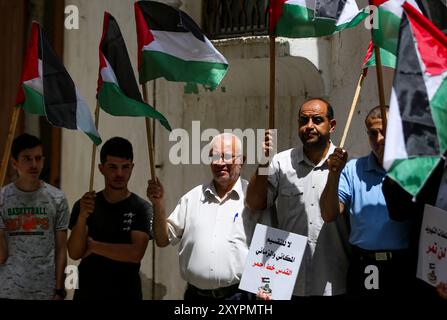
(60, 292)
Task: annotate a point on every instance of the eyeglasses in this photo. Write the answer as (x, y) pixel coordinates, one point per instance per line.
(226, 157)
(302, 120)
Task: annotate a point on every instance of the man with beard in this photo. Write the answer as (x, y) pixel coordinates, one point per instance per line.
(211, 224)
(33, 229)
(110, 230)
(291, 193)
(379, 263)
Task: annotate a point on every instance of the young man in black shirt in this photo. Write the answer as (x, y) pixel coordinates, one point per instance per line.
(110, 230)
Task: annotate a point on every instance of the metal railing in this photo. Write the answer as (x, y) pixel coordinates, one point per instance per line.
(234, 18)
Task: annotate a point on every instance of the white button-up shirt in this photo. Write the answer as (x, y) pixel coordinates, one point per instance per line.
(295, 187)
(214, 235)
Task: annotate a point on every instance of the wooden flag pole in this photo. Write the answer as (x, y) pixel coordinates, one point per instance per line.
(272, 82)
(154, 105)
(150, 147)
(154, 251)
(380, 86)
(353, 105)
(149, 137)
(92, 166)
(7, 151)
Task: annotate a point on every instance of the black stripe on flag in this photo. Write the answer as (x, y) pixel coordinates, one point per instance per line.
(329, 9)
(417, 122)
(59, 90)
(115, 51)
(162, 17)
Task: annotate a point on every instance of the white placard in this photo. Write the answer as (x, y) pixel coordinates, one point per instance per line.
(432, 259)
(273, 262)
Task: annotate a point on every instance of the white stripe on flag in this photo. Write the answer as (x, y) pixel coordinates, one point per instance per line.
(395, 6)
(350, 10)
(185, 46)
(107, 73)
(432, 83)
(36, 83)
(84, 119)
(395, 143)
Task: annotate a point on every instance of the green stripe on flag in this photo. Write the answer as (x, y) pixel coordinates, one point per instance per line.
(113, 100)
(34, 103)
(386, 58)
(411, 174)
(351, 24)
(298, 22)
(438, 105)
(96, 139)
(387, 34)
(155, 64)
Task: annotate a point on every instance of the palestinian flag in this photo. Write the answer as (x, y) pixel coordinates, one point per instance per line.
(171, 45)
(386, 58)
(313, 18)
(389, 15)
(416, 137)
(47, 89)
(117, 91)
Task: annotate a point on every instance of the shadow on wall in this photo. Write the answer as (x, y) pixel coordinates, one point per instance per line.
(146, 283)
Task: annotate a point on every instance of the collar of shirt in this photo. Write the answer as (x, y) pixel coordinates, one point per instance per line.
(235, 193)
(373, 164)
(301, 156)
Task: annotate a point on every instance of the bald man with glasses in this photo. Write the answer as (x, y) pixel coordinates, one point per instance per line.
(211, 225)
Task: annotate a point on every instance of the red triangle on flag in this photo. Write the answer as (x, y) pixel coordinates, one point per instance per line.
(275, 11)
(431, 42)
(376, 2)
(31, 63)
(144, 35)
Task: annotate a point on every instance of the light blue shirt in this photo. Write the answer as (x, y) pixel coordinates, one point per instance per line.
(360, 190)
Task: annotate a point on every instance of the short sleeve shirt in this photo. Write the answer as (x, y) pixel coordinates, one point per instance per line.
(213, 235)
(295, 185)
(112, 223)
(360, 190)
(31, 220)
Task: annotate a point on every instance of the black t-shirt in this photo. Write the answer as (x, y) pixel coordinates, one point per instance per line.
(101, 277)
